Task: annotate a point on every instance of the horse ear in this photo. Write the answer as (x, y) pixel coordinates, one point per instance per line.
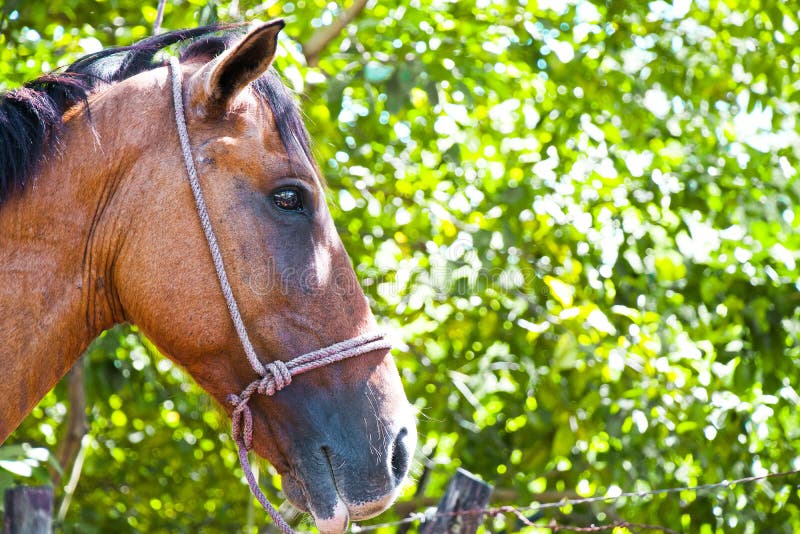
(217, 83)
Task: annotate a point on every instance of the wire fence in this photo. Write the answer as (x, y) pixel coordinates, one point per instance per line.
(522, 512)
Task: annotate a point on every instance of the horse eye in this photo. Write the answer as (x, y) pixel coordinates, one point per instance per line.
(288, 200)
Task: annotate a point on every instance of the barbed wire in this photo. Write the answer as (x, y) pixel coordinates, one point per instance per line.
(519, 511)
(555, 527)
(610, 526)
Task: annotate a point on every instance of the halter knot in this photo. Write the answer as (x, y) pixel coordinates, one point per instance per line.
(276, 377)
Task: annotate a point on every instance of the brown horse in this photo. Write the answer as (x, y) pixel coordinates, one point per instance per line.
(98, 227)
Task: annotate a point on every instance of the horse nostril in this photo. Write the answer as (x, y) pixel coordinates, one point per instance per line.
(399, 456)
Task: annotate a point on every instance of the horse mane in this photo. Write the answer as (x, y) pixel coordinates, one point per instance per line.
(31, 117)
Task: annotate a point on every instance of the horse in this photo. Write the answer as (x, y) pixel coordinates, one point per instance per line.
(98, 226)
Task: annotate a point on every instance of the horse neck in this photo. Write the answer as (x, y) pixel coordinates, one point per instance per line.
(58, 243)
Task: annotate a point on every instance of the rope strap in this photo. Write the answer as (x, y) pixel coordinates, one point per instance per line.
(276, 375)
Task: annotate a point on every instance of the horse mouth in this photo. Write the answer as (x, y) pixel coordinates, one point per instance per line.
(333, 514)
(341, 515)
(334, 520)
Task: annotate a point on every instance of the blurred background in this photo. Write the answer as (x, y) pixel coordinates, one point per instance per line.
(581, 218)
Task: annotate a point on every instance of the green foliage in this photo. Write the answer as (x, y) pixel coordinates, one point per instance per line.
(581, 217)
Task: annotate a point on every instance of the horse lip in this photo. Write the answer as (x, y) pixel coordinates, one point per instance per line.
(337, 523)
(339, 519)
(295, 492)
(294, 486)
(354, 511)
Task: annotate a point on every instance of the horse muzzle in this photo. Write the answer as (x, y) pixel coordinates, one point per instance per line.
(356, 476)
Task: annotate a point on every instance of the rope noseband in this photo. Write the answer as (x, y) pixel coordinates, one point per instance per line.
(275, 375)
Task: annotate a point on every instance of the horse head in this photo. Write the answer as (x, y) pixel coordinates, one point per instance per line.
(341, 436)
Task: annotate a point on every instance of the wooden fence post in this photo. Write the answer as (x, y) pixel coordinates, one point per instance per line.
(28, 510)
(465, 493)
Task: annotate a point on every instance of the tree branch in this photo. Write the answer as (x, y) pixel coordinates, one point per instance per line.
(159, 17)
(422, 485)
(233, 9)
(77, 422)
(323, 36)
(74, 476)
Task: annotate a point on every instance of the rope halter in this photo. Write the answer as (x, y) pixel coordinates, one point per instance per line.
(273, 376)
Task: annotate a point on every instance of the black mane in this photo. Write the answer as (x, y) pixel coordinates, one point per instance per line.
(31, 116)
